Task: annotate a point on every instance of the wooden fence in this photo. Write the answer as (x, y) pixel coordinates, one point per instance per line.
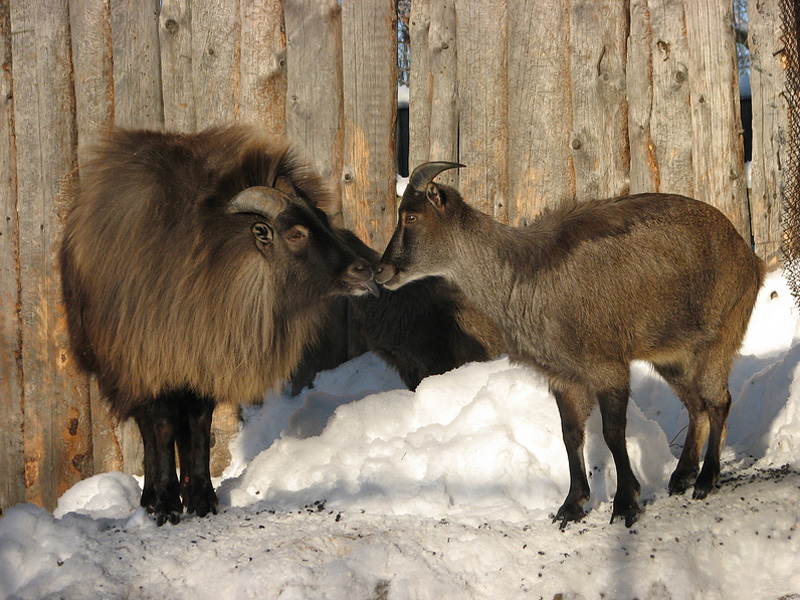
(542, 100)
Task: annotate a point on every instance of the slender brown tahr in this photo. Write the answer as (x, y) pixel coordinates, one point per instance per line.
(195, 269)
(586, 289)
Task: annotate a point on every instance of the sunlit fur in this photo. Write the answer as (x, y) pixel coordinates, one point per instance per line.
(163, 291)
(587, 288)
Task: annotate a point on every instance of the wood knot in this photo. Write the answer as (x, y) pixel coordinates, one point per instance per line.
(172, 26)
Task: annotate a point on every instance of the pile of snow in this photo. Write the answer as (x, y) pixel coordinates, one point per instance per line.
(358, 488)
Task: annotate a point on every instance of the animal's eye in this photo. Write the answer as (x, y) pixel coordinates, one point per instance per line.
(410, 218)
(296, 234)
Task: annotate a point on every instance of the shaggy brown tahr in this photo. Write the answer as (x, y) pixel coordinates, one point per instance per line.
(584, 290)
(195, 269)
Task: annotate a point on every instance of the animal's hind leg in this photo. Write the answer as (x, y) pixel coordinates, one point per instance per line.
(574, 404)
(688, 392)
(613, 408)
(718, 405)
(161, 494)
(194, 448)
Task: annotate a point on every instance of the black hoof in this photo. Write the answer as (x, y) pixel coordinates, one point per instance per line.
(629, 513)
(199, 498)
(568, 513)
(680, 482)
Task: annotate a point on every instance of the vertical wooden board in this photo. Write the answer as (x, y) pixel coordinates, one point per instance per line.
(718, 159)
(433, 106)
(58, 446)
(482, 30)
(90, 32)
(175, 41)
(138, 100)
(12, 466)
(216, 35)
(639, 75)
(369, 53)
(314, 95)
(540, 171)
(263, 65)
(599, 140)
(770, 128)
(660, 121)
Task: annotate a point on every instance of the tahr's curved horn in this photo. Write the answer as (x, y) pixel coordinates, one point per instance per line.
(424, 173)
(262, 200)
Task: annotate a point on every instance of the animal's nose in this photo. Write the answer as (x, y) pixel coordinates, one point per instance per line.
(358, 271)
(384, 272)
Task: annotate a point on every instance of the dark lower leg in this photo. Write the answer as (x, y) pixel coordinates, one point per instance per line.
(197, 489)
(613, 407)
(161, 494)
(573, 421)
(688, 466)
(709, 474)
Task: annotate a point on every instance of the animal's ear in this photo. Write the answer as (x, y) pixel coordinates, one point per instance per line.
(264, 235)
(435, 197)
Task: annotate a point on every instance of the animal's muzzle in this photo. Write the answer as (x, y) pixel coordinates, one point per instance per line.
(359, 274)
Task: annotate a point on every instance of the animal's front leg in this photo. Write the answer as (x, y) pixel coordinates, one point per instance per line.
(194, 443)
(574, 404)
(161, 494)
(613, 407)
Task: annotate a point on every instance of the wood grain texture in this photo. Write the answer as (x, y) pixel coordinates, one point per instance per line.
(599, 138)
(263, 65)
(92, 60)
(90, 34)
(540, 166)
(216, 35)
(483, 104)
(177, 82)
(718, 159)
(314, 94)
(369, 56)
(433, 86)
(138, 100)
(57, 421)
(660, 120)
(12, 465)
(770, 128)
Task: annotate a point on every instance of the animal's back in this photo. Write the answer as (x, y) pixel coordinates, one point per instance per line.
(651, 277)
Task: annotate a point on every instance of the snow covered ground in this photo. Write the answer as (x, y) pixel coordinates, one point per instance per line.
(358, 489)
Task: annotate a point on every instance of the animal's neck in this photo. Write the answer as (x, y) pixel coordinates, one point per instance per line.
(489, 264)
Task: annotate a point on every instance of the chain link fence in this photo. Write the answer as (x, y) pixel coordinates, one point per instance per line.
(790, 19)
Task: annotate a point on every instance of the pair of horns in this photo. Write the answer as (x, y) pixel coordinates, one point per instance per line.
(426, 172)
(261, 200)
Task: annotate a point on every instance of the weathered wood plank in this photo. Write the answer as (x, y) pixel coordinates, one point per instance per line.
(483, 104)
(369, 53)
(263, 65)
(599, 139)
(138, 100)
(540, 170)
(718, 159)
(433, 107)
(90, 32)
(216, 35)
(58, 446)
(314, 105)
(660, 121)
(770, 128)
(12, 452)
(175, 38)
